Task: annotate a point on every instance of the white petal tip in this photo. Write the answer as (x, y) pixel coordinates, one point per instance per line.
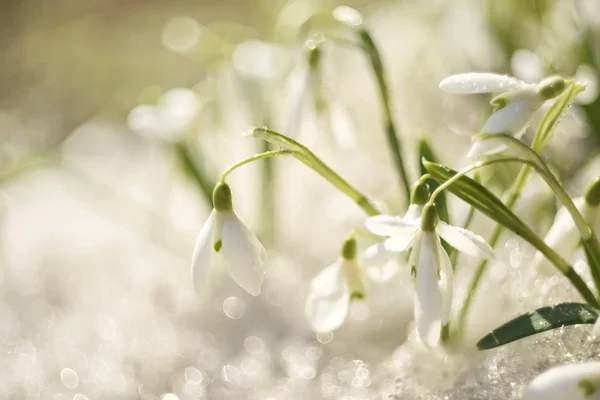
(479, 82)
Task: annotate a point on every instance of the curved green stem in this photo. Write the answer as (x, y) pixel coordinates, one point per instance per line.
(256, 157)
(303, 154)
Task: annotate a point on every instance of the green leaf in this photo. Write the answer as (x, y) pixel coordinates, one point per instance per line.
(541, 320)
(546, 128)
(482, 199)
(441, 204)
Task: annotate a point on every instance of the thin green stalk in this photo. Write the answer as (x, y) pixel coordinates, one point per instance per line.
(303, 154)
(268, 197)
(188, 163)
(256, 157)
(393, 141)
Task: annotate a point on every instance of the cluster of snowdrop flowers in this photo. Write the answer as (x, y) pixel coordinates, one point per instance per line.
(514, 107)
(414, 241)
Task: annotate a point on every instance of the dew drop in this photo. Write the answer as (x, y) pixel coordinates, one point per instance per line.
(254, 345)
(234, 307)
(69, 378)
(325, 337)
(193, 375)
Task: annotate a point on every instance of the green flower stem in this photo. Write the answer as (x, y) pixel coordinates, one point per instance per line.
(312, 161)
(186, 159)
(256, 157)
(393, 141)
(267, 207)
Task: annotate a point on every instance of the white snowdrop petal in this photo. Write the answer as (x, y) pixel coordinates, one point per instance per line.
(387, 225)
(413, 213)
(203, 251)
(398, 244)
(563, 237)
(376, 255)
(573, 382)
(328, 299)
(464, 240)
(446, 281)
(513, 118)
(383, 273)
(243, 254)
(484, 147)
(413, 258)
(480, 82)
(353, 275)
(428, 299)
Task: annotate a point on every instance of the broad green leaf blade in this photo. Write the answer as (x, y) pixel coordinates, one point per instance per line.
(546, 128)
(441, 205)
(541, 320)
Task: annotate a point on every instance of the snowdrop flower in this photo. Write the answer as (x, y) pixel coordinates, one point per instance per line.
(572, 382)
(332, 291)
(378, 256)
(563, 235)
(226, 240)
(313, 107)
(514, 108)
(431, 262)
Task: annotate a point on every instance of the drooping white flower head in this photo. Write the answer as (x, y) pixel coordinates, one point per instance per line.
(431, 262)
(514, 107)
(381, 263)
(225, 240)
(572, 382)
(312, 106)
(332, 290)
